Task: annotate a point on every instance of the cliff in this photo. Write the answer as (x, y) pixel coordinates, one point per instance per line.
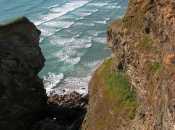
(22, 95)
(135, 88)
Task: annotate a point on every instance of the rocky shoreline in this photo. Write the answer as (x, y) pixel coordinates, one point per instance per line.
(63, 112)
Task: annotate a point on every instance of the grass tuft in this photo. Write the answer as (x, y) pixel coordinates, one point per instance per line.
(154, 67)
(118, 90)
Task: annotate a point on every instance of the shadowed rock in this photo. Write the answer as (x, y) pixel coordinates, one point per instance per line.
(22, 96)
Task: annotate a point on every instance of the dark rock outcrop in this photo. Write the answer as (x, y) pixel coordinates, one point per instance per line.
(63, 112)
(22, 95)
(142, 45)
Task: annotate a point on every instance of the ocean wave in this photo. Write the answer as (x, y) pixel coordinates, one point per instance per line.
(59, 24)
(77, 35)
(106, 18)
(84, 24)
(118, 7)
(38, 22)
(110, 6)
(71, 84)
(100, 40)
(100, 22)
(79, 18)
(60, 11)
(53, 6)
(88, 45)
(84, 14)
(65, 54)
(92, 65)
(52, 80)
(93, 33)
(48, 31)
(55, 40)
(98, 4)
(73, 61)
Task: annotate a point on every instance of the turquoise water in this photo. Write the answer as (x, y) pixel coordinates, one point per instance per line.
(73, 38)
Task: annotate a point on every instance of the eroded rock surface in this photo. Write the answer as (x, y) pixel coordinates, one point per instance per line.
(142, 45)
(22, 95)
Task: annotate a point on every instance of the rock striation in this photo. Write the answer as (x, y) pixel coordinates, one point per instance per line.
(142, 48)
(22, 95)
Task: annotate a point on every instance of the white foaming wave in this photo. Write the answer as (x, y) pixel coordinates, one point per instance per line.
(106, 18)
(84, 14)
(100, 22)
(61, 57)
(110, 6)
(73, 60)
(88, 45)
(84, 24)
(81, 43)
(93, 65)
(41, 39)
(70, 6)
(50, 16)
(74, 84)
(48, 32)
(93, 10)
(52, 80)
(63, 17)
(100, 39)
(78, 34)
(38, 22)
(118, 6)
(101, 32)
(60, 11)
(82, 40)
(61, 41)
(64, 55)
(53, 6)
(60, 24)
(86, 10)
(79, 18)
(94, 33)
(98, 4)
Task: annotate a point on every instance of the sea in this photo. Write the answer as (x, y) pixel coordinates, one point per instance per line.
(73, 39)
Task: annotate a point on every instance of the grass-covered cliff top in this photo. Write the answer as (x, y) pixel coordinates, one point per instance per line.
(18, 20)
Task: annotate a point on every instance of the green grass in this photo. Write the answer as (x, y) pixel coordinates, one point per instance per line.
(117, 90)
(154, 37)
(119, 21)
(137, 57)
(146, 43)
(134, 23)
(154, 67)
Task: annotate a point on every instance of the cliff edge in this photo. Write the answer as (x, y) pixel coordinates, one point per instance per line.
(22, 95)
(135, 88)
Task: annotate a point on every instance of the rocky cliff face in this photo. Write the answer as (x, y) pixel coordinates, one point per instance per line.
(142, 47)
(22, 96)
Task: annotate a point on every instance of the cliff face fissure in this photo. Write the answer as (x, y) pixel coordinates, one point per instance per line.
(142, 45)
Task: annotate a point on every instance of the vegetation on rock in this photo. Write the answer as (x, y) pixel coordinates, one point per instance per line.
(119, 97)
